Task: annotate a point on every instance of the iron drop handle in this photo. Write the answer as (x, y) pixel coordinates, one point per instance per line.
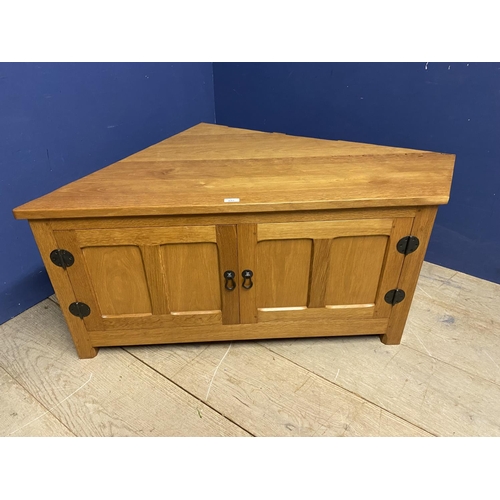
(247, 275)
(229, 277)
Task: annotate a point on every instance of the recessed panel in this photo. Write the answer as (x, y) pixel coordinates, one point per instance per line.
(354, 269)
(192, 276)
(118, 279)
(282, 273)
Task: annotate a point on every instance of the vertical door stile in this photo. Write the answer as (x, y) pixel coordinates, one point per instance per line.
(407, 280)
(247, 248)
(46, 241)
(227, 244)
(392, 267)
(79, 278)
(155, 278)
(319, 272)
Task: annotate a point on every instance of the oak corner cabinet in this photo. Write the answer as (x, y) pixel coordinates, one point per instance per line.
(221, 233)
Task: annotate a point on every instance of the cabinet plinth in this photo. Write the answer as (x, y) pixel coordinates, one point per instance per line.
(224, 234)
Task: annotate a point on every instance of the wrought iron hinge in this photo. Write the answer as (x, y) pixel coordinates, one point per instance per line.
(408, 244)
(62, 258)
(395, 296)
(79, 309)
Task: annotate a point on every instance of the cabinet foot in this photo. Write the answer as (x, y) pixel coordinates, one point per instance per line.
(388, 339)
(86, 352)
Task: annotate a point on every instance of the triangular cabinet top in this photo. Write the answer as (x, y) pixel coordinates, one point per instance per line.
(211, 169)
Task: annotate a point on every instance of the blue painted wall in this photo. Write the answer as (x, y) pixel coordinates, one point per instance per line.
(450, 108)
(59, 122)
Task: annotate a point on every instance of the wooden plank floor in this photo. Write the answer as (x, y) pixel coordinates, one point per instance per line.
(443, 380)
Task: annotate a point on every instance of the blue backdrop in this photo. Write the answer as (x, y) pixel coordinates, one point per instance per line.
(445, 107)
(59, 122)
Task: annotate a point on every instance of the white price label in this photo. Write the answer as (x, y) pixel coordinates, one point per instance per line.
(231, 200)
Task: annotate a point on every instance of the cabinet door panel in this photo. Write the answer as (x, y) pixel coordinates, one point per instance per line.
(151, 276)
(284, 266)
(339, 269)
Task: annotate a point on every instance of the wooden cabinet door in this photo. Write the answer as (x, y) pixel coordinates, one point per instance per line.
(148, 277)
(337, 269)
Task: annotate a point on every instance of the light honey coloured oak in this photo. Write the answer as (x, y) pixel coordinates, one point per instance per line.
(220, 233)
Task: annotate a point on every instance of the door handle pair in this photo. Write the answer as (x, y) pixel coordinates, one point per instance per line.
(230, 284)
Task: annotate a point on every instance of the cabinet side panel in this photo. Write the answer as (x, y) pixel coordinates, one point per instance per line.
(46, 242)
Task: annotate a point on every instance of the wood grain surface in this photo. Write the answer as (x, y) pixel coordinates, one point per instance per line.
(193, 173)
